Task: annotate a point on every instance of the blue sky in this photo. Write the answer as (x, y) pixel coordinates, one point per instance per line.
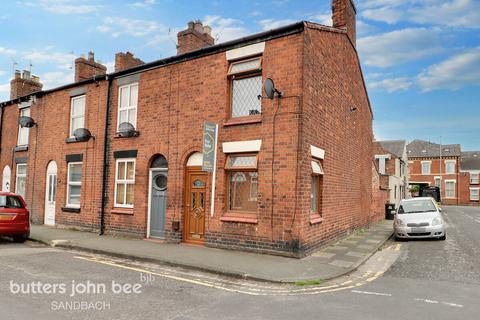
(421, 58)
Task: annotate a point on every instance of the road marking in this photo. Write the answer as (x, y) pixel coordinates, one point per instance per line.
(220, 284)
(450, 304)
(373, 293)
(453, 304)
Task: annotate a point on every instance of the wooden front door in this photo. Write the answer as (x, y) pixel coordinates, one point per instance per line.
(195, 201)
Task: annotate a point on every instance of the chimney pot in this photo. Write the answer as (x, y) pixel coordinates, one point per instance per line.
(195, 37)
(18, 75)
(26, 74)
(91, 56)
(24, 84)
(207, 30)
(191, 25)
(199, 26)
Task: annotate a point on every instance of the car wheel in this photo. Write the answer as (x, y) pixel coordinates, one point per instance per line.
(443, 238)
(398, 239)
(20, 239)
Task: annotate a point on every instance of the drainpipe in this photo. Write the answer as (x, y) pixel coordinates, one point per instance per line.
(105, 155)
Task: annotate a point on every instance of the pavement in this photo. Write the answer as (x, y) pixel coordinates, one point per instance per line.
(333, 261)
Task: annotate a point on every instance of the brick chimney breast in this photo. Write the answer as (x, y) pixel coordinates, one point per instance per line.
(344, 17)
(88, 68)
(196, 36)
(126, 60)
(24, 84)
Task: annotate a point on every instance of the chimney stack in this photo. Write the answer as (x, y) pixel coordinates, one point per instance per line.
(344, 17)
(126, 61)
(24, 84)
(196, 36)
(88, 68)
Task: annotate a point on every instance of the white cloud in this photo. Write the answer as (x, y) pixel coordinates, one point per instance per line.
(269, 24)
(63, 6)
(117, 26)
(46, 55)
(56, 78)
(6, 51)
(323, 18)
(225, 29)
(385, 14)
(391, 84)
(143, 4)
(460, 70)
(452, 13)
(4, 88)
(400, 46)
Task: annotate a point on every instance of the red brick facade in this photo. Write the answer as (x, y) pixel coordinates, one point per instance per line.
(318, 71)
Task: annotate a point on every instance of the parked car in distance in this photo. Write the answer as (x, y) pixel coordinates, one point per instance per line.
(14, 217)
(419, 218)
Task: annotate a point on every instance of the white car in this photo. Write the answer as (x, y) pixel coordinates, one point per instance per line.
(419, 218)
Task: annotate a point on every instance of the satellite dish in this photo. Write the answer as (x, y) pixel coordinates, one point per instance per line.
(127, 130)
(270, 90)
(26, 122)
(82, 134)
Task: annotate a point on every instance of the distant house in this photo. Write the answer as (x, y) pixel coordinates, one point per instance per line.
(392, 161)
(469, 186)
(432, 164)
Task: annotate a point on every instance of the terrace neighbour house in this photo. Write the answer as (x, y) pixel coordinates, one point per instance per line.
(392, 161)
(469, 177)
(433, 164)
(122, 153)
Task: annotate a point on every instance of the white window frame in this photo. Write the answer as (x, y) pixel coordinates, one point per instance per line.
(454, 189)
(72, 117)
(478, 194)
(23, 131)
(22, 175)
(474, 181)
(73, 183)
(128, 107)
(446, 166)
(435, 181)
(124, 181)
(429, 167)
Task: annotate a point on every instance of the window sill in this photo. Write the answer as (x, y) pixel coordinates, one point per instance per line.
(71, 209)
(125, 211)
(243, 120)
(118, 136)
(240, 217)
(315, 218)
(72, 140)
(21, 148)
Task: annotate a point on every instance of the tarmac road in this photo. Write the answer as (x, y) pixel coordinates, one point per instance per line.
(406, 280)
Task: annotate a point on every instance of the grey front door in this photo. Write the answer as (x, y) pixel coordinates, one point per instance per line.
(158, 205)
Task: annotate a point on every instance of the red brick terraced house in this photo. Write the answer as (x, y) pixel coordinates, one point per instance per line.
(122, 152)
(469, 180)
(432, 164)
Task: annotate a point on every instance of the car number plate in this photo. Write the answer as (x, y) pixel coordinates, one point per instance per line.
(418, 230)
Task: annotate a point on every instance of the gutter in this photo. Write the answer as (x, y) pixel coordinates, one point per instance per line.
(105, 156)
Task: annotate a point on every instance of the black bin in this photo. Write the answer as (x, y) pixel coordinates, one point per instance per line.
(389, 208)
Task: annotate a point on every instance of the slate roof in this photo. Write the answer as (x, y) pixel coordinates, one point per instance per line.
(470, 160)
(394, 146)
(420, 148)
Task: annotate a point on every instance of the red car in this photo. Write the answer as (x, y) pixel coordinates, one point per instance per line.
(14, 217)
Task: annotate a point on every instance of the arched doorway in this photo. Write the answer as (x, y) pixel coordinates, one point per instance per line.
(7, 172)
(157, 204)
(195, 199)
(50, 193)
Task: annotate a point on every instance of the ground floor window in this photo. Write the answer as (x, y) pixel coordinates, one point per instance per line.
(74, 184)
(242, 183)
(125, 183)
(475, 194)
(21, 179)
(449, 189)
(316, 187)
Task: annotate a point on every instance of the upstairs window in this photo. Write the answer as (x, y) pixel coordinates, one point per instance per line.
(246, 86)
(23, 132)
(474, 178)
(77, 114)
(127, 104)
(426, 167)
(242, 183)
(449, 166)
